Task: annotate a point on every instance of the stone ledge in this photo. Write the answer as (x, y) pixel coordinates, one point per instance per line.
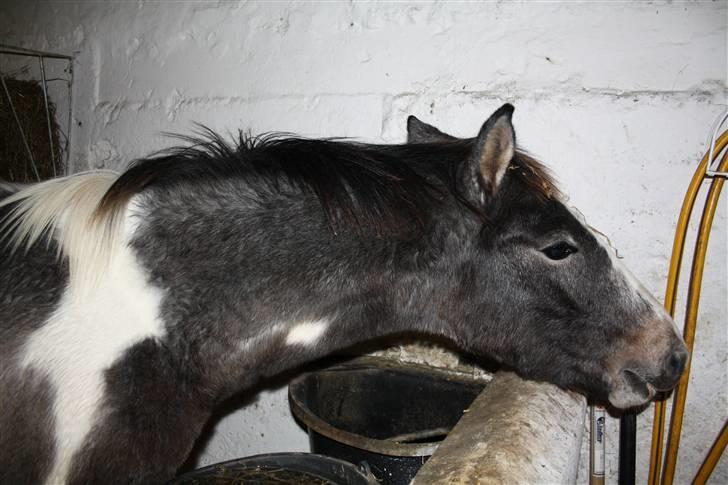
(516, 431)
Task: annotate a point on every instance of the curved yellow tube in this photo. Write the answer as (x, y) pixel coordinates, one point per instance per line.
(713, 456)
(696, 279)
(670, 299)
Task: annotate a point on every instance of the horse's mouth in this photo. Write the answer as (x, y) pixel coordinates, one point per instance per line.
(639, 384)
(631, 390)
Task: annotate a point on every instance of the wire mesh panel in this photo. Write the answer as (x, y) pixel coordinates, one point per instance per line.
(35, 113)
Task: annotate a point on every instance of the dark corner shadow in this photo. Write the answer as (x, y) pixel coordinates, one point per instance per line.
(249, 396)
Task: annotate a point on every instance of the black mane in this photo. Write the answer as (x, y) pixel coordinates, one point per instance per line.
(387, 188)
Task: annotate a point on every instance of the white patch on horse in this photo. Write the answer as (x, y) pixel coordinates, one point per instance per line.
(92, 328)
(306, 333)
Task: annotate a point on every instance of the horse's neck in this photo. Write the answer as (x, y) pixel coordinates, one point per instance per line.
(254, 292)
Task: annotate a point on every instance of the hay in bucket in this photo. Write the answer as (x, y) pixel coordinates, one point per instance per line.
(15, 164)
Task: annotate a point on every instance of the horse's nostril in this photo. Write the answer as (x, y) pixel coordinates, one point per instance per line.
(676, 362)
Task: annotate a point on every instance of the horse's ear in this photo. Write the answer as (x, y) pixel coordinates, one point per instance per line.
(493, 151)
(420, 132)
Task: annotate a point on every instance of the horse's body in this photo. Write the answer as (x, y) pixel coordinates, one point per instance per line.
(195, 274)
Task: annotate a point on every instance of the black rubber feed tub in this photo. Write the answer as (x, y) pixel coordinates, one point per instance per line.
(278, 469)
(389, 416)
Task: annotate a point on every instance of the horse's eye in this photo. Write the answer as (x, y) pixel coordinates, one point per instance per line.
(560, 250)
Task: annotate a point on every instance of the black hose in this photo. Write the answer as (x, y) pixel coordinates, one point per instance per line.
(627, 448)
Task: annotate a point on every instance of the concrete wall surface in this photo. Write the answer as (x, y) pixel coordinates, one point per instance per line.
(616, 97)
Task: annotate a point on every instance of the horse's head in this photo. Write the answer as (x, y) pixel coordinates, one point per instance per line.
(538, 289)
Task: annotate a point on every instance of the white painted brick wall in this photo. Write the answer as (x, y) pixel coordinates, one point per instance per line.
(616, 97)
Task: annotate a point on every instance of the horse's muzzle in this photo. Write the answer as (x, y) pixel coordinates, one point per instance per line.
(636, 384)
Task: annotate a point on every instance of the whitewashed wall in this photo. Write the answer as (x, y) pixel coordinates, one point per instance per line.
(617, 97)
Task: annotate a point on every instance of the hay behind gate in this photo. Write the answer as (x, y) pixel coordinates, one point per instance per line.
(15, 165)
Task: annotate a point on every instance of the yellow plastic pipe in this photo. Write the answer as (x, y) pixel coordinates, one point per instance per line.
(671, 296)
(696, 278)
(673, 277)
(712, 457)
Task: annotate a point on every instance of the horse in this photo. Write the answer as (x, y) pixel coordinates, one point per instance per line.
(132, 304)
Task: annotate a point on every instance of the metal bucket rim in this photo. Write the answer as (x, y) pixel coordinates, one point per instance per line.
(384, 447)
